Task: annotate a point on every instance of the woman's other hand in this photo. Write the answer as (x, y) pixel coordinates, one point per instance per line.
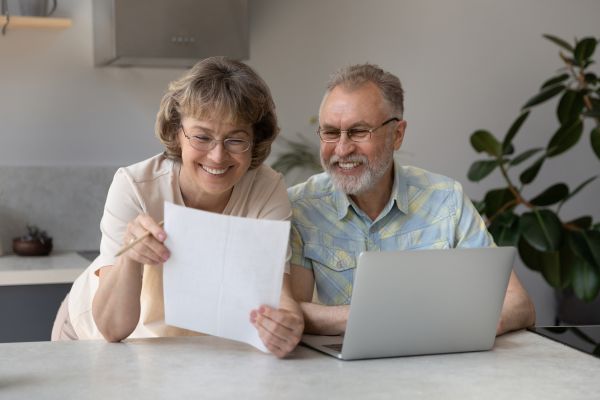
(151, 250)
(279, 329)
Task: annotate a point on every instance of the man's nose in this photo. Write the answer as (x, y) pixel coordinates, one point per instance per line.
(345, 146)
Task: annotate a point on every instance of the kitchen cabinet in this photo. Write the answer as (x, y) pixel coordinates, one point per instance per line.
(32, 289)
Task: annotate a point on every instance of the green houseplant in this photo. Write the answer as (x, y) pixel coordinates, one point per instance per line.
(566, 253)
(300, 153)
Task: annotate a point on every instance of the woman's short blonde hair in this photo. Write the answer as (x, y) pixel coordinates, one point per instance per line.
(219, 88)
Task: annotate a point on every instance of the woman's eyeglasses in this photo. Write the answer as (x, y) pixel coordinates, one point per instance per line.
(205, 142)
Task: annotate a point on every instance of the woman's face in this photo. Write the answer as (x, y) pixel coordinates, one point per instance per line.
(211, 174)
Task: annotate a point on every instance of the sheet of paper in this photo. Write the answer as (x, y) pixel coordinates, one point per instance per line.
(221, 267)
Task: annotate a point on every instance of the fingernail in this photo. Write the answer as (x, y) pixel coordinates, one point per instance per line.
(262, 309)
(161, 236)
(253, 316)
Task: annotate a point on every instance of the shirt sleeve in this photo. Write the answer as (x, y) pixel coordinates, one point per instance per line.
(123, 204)
(470, 227)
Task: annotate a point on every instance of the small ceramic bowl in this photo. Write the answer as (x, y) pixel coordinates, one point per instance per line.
(31, 247)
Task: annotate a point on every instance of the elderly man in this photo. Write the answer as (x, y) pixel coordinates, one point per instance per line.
(366, 201)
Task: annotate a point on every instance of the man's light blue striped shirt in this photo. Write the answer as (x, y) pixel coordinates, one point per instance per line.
(425, 211)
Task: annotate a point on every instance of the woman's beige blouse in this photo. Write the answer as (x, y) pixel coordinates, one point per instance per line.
(143, 188)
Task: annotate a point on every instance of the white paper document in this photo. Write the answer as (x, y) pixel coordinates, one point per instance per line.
(221, 267)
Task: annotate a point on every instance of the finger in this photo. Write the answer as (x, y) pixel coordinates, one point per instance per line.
(276, 335)
(145, 251)
(284, 318)
(273, 328)
(149, 246)
(276, 345)
(153, 248)
(150, 225)
(273, 344)
(148, 251)
(141, 257)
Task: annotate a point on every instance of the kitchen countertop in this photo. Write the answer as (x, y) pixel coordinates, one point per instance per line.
(58, 267)
(522, 365)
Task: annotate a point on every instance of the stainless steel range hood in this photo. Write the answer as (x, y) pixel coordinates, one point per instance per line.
(168, 33)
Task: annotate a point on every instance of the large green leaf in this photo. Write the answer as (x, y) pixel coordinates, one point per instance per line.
(555, 80)
(496, 199)
(584, 222)
(544, 95)
(530, 173)
(584, 49)
(586, 244)
(505, 229)
(565, 137)
(548, 263)
(512, 131)
(551, 195)
(542, 230)
(556, 40)
(553, 270)
(481, 169)
(585, 280)
(595, 141)
(524, 156)
(569, 106)
(530, 256)
(482, 140)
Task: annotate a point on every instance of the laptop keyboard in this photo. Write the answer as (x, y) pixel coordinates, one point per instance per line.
(335, 346)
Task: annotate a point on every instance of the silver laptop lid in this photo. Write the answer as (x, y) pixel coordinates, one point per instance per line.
(426, 301)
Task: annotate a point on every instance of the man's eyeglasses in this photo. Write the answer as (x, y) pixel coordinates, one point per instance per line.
(205, 142)
(359, 134)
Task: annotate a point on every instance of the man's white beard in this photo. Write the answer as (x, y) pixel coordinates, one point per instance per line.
(355, 185)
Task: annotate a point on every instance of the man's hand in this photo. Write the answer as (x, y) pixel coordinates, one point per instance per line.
(279, 329)
(518, 311)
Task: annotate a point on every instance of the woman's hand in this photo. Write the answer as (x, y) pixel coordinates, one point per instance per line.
(151, 250)
(279, 329)
(116, 305)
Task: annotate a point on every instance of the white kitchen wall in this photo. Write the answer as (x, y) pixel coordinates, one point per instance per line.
(465, 65)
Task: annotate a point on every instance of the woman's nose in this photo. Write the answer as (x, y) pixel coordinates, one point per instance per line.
(218, 153)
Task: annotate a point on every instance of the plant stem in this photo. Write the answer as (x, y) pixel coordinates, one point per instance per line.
(518, 198)
(581, 83)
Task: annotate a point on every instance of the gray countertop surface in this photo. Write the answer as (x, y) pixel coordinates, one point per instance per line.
(522, 365)
(58, 267)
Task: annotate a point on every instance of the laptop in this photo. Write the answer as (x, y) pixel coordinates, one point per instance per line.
(407, 303)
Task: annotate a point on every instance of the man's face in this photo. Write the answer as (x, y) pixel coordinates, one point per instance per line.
(355, 167)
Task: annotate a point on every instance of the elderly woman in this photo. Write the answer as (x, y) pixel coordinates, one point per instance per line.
(217, 124)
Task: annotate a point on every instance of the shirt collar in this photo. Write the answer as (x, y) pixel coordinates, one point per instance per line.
(399, 196)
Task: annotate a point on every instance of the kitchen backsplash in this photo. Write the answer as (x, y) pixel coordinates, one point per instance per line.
(66, 202)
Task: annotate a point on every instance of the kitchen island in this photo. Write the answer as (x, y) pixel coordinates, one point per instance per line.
(522, 365)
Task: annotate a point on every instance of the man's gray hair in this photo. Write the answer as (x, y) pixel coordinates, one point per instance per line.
(354, 76)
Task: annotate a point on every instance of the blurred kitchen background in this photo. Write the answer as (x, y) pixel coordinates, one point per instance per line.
(66, 124)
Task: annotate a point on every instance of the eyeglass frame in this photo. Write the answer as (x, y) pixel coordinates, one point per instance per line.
(350, 134)
(213, 143)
